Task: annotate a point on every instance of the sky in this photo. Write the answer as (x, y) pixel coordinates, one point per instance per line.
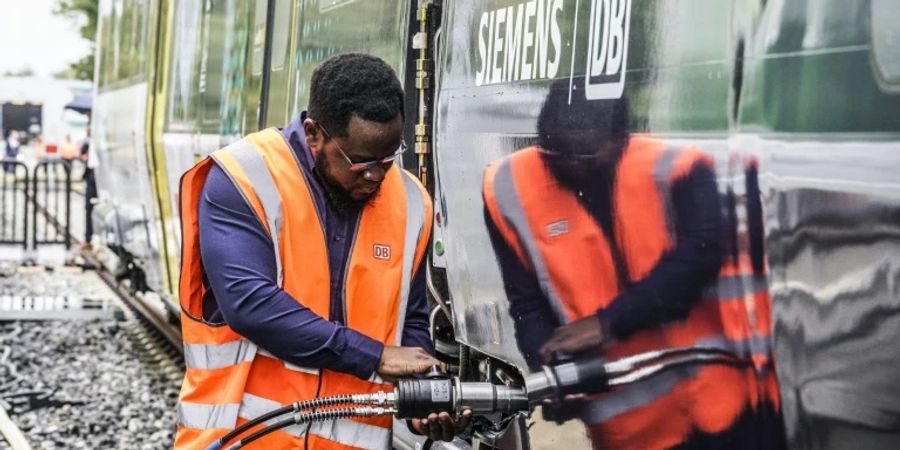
(32, 36)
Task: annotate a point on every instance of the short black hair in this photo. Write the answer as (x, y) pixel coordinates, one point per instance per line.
(354, 84)
(563, 114)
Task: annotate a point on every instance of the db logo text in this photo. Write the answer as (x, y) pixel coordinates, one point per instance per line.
(607, 49)
(382, 252)
(524, 41)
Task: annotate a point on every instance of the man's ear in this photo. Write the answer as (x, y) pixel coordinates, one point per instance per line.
(314, 136)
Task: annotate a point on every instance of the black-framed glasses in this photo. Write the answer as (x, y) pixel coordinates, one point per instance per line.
(566, 155)
(366, 165)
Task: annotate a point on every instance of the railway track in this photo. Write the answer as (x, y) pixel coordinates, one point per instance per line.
(84, 376)
(152, 315)
(80, 368)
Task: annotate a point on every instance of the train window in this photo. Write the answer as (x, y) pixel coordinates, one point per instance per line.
(252, 81)
(886, 42)
(335, 26)
(124, 28)
(327, 5)
(259, 38)
(225, 29)
(277, 108)
(281, 33)
(184, 67)
(217, 24)
(106, 27)
(132, 36)
(234, 66)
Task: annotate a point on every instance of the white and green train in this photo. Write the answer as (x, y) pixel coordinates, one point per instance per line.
(807, 89)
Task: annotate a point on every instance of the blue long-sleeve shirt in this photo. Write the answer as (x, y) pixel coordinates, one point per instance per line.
(240, 274)
(666, 294)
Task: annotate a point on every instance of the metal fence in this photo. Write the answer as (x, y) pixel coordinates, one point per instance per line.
(51, 194)
(35, 205)
(14, 184)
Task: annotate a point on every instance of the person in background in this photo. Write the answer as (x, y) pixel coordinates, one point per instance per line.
(90, 188)
(12, 150)
(40, 149)
(69, 149)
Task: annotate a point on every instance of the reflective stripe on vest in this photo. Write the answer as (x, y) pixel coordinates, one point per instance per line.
(313, 371)
(201, 416)
(635, 395)
(255, 169)
(343, 431)
(511, 209)
(661, 173)
(218, 356)
(289, 366)
(415, 224)
(735, 287)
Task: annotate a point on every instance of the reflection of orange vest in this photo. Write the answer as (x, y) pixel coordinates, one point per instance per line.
(557, 239)
(229, 380)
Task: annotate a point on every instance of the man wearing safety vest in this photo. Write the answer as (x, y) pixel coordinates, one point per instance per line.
(302, 268)
(614, 242)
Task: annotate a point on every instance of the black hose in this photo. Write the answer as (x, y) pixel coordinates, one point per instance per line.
(269, 429)
(299, 418)
(294, 407)
(464, 357)
(237, 431)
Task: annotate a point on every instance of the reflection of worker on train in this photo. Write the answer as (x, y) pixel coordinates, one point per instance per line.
(302, 271)
(614, 241)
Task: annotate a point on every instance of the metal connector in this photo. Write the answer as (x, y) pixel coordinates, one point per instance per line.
(373, 411)
(380, 398)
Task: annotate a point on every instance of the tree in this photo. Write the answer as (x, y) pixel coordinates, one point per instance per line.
(79, 10)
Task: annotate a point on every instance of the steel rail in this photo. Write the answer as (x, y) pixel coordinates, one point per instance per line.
(171, 332)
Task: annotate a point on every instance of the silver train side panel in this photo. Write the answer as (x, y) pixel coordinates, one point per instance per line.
(833, 226)
(807, 89)
(123, 178)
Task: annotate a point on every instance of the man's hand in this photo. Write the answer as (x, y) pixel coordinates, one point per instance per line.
(442, 427)
(576, 337)
(398, 362)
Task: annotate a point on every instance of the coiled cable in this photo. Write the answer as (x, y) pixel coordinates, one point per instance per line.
(295, 407)
(307, 417)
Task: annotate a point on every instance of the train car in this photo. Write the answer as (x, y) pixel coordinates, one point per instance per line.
(797, 102)
(177, 80)
(128, 213)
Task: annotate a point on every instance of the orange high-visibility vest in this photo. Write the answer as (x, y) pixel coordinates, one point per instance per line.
(228, 379)
(555, 237)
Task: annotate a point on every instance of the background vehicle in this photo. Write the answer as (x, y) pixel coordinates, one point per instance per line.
(36, 106)
(808, 90)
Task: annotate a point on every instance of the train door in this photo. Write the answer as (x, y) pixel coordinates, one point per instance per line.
(118, 130)
(212, 72)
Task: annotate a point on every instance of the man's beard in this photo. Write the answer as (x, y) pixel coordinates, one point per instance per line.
(578, 177)
(339, 197)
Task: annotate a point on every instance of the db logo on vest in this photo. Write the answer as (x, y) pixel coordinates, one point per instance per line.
(558, 228)
(382, 252)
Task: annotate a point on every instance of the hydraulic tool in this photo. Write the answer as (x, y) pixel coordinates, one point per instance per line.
(417, 398)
